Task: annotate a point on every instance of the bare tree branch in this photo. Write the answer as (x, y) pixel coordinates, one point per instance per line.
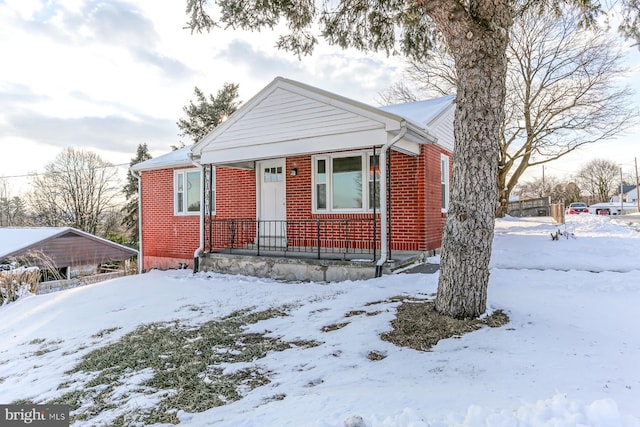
(77, 189)
(562, 92)
(599, 178)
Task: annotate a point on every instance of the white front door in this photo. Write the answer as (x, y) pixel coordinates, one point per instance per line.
(272, 208)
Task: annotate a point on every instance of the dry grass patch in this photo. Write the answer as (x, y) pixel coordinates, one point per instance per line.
(419, 326)
(18, 282)
(104, 333)
(397, 298)
(354, 313)
(334, 327)
(360, 312)
(375, 355)
(181, 365)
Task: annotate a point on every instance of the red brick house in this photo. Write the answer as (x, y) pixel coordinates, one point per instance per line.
(307, 175)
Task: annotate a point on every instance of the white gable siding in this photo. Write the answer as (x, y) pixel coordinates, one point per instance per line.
(286, 116)
(442, 128)
(289, 118)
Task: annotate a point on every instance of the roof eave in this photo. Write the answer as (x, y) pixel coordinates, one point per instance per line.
(158, 166)
(420, 134)
(72, 230)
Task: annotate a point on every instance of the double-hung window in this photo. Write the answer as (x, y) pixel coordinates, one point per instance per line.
(345, 182)
(444, 182)
(186, 192)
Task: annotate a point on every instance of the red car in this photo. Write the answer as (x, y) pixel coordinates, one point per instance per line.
(578, 208)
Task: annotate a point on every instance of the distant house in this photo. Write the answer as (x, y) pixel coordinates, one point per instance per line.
(70, 252)
(629, 194)
(632, 195)
(307, 175)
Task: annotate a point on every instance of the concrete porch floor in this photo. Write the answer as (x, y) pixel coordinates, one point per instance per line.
(304, 266)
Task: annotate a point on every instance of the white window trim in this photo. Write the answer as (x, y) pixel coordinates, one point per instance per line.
(184, 172)
(364, 155)
(213, 192)
(445, 178)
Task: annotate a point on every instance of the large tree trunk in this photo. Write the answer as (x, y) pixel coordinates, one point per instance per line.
(479, 46)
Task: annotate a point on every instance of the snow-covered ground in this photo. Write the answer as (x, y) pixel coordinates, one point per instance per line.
(570, 355)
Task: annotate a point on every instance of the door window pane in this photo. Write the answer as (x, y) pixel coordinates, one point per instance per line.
(273, 174)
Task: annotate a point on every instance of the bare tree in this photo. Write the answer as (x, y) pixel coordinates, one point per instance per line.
(562, 93)
(477, 35)
(77, 189)
(112, 225)
(13, 211)
(433, 76)
(572, 193)
(600, 178)
(538, 187)
(558, 190)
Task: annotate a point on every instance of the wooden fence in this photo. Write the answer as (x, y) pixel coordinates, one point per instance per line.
(557, 212)
(58, 285)
(530, 207)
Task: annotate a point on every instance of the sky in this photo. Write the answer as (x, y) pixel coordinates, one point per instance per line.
(568, 356)
(108, 76)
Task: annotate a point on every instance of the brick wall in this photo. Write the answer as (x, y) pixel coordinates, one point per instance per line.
(416, 217)
(235, 199)
(235, 193)
(434, 217)
(407, 202)
(168, 240)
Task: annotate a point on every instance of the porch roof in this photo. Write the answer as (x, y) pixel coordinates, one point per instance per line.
(291, 118)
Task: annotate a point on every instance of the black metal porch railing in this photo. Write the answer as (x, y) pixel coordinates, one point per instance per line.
(320, 238)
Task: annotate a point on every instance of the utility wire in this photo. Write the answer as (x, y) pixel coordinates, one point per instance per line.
(36, 173)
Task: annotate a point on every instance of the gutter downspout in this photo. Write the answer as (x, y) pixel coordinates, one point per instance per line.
(140, 251)
(196, 253)
(384, 250)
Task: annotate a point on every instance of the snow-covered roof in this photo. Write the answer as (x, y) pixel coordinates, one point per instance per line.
(16, 239)
(422, 112)
(172, 159)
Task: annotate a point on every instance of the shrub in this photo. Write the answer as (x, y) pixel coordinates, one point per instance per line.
(18, 282)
